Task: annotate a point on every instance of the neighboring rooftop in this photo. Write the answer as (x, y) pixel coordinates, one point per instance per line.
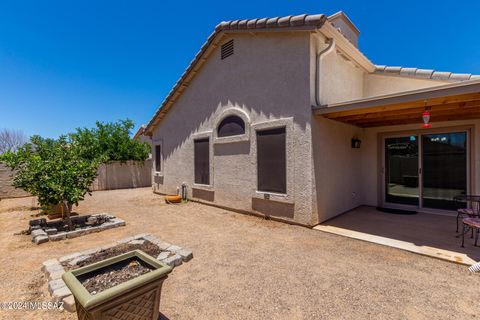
(424, 73)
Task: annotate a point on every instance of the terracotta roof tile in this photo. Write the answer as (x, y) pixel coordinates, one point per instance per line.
(424, 73)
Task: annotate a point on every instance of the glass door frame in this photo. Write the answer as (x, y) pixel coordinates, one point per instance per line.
(419, 133)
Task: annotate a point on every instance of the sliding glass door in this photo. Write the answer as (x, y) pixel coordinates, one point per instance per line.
(444, 169)
(401, 170)
(425, 170)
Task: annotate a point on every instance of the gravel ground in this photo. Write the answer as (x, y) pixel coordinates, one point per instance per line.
(246, 267)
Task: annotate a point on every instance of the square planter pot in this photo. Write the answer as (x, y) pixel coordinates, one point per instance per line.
(137, 298)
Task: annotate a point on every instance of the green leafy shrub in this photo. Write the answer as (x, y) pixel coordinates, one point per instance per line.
(111, 140)
(54, 170)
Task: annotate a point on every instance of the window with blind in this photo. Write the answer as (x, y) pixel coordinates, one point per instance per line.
(202, 161)
(158, 158)
(272, 160)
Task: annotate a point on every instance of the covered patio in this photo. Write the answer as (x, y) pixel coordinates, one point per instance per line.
(423, 233)
(407, 165)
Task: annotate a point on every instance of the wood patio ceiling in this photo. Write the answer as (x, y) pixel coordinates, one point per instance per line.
(444, 105)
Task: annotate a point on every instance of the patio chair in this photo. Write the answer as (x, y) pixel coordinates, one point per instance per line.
(472, 211)
(470, 224)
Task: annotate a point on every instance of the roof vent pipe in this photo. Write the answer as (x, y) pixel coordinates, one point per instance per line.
(319, 57)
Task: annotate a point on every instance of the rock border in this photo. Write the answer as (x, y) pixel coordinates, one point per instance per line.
(40, 236)
(171, 255)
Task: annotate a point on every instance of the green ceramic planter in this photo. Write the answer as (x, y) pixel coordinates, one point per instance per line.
(137, 298)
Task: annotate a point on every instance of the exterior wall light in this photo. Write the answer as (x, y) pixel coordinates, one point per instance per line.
(356, 143)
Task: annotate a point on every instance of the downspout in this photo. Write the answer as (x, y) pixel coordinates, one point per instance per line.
(318, 63)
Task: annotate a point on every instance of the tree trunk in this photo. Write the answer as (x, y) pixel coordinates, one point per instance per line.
(66, 209)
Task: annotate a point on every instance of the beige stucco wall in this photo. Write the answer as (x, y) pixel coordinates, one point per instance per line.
(376, 84)
(340, 79)
(337, 168)
(268, 80)
(123, 175)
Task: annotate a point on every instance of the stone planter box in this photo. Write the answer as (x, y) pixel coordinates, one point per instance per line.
(137, 298)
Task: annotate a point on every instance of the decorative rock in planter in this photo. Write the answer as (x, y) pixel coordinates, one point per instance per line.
(43, 231)
(141, 294)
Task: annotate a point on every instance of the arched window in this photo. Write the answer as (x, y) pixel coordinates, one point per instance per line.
(231, 126)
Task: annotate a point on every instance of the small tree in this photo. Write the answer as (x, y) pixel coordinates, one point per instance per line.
(11, 140)
(112, 140)
(53, 170)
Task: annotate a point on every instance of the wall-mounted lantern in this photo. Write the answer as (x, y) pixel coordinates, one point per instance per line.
(356, 143)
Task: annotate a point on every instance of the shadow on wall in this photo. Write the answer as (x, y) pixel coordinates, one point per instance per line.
(254, 81)
(268, 78)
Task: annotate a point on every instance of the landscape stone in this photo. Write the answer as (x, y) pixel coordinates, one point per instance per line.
(49, 262)
(69, 257)
(141, 236)
(69, 303)
(41, 239)
(51, 231)
(91, 251)
(61, 293)
(174, 248)
(106, 226)
(163, 255)
(76, 260)
(185, 254)
(38, 232)
(55, 284)
(125, 240)
(57, 237)
(52, 268)
(109, 246)
(137, 241)
(75, 233)
(93, 229)
(164, 245)
(173, 261)
(56, 275)
(149, 238)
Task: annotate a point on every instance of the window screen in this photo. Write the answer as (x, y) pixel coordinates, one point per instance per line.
(271, 160)
(158, 159)
(202, 161)
(231, 126)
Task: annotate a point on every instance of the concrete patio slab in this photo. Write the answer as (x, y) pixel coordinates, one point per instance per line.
(431, 235)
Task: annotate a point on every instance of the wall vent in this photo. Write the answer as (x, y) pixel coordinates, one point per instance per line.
(227, 49)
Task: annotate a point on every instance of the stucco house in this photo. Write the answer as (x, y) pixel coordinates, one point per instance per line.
(286, 117)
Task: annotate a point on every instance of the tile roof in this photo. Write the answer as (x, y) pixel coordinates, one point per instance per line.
(424, 73)
(302, 20)
(298, 22)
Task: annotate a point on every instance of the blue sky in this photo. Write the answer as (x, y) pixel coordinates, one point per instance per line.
(67, 64)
